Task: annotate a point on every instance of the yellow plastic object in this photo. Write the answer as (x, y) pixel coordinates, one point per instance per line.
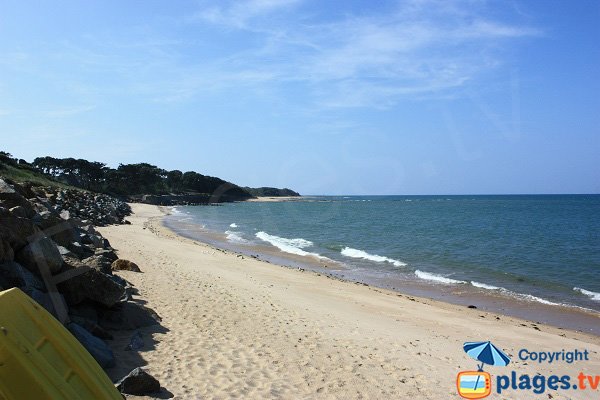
(40, 359)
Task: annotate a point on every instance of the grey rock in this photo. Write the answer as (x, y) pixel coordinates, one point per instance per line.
(41, 253)
(46, 300)
(95, 346)
(10, 198)
(85, 310)
(100, 263)
(94, 286)
(6, 251)
(64, 214)
(128, 316)
(92, 327)
(16, 230)
(110, 254)
(136, 342)
(13, 274)
(19, 211)
(66, 252)
(80, 250)
(138, 382)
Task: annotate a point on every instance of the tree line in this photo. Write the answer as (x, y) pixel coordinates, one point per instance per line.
(127, 179)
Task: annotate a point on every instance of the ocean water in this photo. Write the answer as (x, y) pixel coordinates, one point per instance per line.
(541, 249)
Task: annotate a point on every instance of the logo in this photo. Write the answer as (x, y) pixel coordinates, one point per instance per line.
(478, 384)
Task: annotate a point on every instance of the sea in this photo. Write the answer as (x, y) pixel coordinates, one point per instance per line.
(523, 253)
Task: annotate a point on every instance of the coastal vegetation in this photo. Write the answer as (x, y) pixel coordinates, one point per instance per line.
(127, 179)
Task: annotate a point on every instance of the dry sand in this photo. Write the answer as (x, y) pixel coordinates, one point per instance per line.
(236, 327)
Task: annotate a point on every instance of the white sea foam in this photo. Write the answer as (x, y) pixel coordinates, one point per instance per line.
(531, 297)
(437, 278)
(354, 253)
(235, 237)
(485, 286)
(175, 211)
(528, 297)
(593, 295)
(234, 225)
(292, 246)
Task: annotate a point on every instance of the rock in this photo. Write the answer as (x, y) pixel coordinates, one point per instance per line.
(138, 382)
(19, 211)
(45, 300)
(128, 316)
(64, 214)
(16, 231)
(100, 263)
(85, 310)
(92, 327)
(6, 251)
(136, 342)
(95, 346)
(80, 250)
(110, 254)
(14, 275)
(65, 252)
(41, 253)
(94, 286)
(10, 198)
(125, 265)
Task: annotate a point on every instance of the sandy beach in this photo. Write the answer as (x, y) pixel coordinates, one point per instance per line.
(237, 327)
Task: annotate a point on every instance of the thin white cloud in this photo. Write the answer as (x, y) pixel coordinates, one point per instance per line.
(412, 49)
(68, 111)
(421, 47)
(238, 14)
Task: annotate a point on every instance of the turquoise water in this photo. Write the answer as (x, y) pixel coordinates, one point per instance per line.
(539, 248)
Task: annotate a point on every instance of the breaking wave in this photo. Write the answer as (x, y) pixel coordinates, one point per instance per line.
(354, 253)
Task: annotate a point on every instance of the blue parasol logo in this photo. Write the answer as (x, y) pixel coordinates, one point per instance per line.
(487, 353)
(477, 384)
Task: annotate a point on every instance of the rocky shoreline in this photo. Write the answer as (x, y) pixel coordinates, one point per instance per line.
(50, 249)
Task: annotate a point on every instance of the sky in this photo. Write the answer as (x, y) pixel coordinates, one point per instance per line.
(324, 97)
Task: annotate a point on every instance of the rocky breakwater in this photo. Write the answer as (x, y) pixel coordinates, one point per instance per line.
(50, 249)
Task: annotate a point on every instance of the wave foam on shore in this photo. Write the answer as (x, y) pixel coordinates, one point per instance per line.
(292, 246)
(354, 253)
(235, 237)
(592, 295)
(437, 278)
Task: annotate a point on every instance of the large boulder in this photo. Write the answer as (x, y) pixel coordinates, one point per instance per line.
(128, 316)
(6, 251)
(16, 231)
(10, 198)
(95, 346)
(92, 327)
(125, 265)
(94, 286)
(138, 382)
(61, 231)
(40, 253)
(108, 253)
(100, 263)
(46, 301)
(14, 275)
(80, 250)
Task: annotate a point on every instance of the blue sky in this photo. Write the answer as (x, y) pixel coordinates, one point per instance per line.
(325, 97)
